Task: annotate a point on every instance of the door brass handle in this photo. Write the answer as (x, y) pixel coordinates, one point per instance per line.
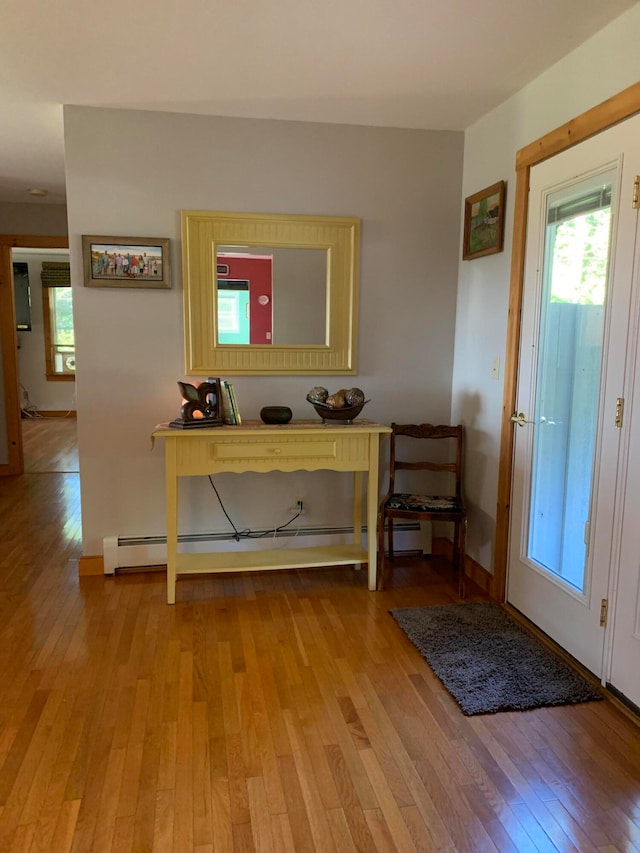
(519, 418)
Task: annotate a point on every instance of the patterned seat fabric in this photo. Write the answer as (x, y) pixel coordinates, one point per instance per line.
(423, 503)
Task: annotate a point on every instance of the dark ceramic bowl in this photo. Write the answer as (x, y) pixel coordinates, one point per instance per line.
(276, 414)
(347, 413)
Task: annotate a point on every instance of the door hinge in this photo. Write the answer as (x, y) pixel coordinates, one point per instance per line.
(604, 609)
(619, 411)
(635, 203)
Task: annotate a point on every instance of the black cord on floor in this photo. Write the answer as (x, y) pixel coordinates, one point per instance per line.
(247, 533)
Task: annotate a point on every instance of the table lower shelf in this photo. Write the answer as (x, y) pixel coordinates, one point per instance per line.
(280, 558)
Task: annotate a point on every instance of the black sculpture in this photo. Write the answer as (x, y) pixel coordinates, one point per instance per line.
(202, 406)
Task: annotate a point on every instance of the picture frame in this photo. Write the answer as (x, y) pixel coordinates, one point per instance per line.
(133, 262)
(484, 222)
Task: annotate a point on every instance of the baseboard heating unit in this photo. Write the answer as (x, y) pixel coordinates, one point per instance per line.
(135, 552)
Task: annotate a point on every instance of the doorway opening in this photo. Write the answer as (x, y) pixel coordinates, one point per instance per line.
(11, 442)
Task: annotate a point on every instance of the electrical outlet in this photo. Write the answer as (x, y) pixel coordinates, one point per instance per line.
(299, 507)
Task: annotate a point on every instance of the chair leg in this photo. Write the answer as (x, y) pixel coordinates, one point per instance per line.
(462, 559)
(380, 580)
(455, 551)
(390, 537)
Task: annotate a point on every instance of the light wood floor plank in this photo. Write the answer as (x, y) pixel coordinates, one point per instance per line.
(163, 823)
(65, 829)
(296, 808)
(311, 794)
(387, 802)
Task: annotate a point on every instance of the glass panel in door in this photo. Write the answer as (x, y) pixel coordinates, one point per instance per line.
(571, 337)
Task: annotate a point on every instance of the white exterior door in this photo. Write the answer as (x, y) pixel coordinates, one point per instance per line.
(573, 362)
(622, 670)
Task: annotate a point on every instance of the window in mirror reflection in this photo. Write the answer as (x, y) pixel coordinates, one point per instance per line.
(233, 312)
(271, 295)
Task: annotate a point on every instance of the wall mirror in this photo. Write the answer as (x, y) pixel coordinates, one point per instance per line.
(270, 293)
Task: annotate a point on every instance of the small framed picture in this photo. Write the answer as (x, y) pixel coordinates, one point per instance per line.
(141, 262)
(484, 222)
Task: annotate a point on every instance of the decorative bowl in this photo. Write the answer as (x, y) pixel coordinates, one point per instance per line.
(276, 414)
(346, 413)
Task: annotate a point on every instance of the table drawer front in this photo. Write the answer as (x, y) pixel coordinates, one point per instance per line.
(270, 451)
(197, 455)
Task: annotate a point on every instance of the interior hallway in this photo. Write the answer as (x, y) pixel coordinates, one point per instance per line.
(282, 711)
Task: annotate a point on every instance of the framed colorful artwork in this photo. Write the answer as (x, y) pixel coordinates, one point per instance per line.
(141, 262)
(484, 222)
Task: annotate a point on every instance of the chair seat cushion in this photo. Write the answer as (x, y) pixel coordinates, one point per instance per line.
(423, 503)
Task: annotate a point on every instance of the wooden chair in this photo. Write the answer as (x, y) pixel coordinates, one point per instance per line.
(425, 507)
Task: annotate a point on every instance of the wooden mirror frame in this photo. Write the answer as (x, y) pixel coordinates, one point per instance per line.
(203, 231)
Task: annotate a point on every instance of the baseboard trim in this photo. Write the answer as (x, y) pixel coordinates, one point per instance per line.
(440, 546)
(88, 566)
(474, 571)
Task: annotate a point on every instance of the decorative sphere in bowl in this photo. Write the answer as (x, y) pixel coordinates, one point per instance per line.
(354, 396)
(276, 414)
(318, 394)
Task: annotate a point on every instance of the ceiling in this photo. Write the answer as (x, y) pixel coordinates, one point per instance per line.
(432, 64)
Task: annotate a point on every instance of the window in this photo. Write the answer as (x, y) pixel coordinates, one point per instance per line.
(59, 340)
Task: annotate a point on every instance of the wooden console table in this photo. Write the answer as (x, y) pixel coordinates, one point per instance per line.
(254, 446)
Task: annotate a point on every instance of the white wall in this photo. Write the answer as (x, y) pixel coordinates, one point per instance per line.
(603, 66)
(130, 173)
(42, 393)
(44, 220)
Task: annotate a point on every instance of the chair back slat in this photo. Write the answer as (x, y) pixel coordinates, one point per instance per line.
(427, 432)
(427, 466)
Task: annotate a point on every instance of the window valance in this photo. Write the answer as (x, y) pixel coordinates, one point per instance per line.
(56, 274)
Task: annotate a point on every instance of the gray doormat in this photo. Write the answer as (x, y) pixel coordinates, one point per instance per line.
(488, 662)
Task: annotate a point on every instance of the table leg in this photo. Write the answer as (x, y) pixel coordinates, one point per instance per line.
(372, 508)
(357, 510)
(172, 519)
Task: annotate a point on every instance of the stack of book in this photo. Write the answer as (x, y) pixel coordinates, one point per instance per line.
(230, 411)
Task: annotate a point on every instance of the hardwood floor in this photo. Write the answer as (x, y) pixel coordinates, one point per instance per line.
(282, 711)
(50, 445)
